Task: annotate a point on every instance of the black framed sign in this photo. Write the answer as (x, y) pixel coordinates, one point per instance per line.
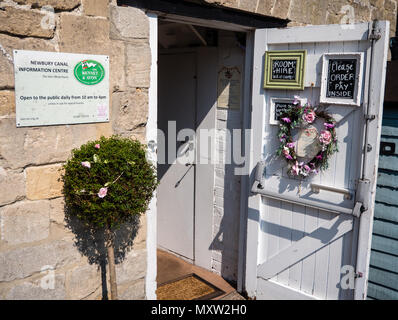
(342, 78)
(280, 105)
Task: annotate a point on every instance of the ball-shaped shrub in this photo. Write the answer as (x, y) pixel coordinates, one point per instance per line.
(108, 181)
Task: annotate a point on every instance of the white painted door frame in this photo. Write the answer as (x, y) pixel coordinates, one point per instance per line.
(377, 78)
(151, 136)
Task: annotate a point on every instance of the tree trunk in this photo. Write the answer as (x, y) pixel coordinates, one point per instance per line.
(111, 262)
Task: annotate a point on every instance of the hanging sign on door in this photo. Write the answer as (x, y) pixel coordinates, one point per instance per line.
(342, 78)
(281, 105)
(285, 69)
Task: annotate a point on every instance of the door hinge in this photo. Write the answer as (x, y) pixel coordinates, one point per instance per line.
(374, 33)
(370, 117)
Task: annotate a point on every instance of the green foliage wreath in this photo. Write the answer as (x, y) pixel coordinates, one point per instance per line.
(108, 181)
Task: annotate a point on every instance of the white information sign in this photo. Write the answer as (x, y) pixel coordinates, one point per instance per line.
(60, 88)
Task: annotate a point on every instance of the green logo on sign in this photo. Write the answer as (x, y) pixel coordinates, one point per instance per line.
(89, 72)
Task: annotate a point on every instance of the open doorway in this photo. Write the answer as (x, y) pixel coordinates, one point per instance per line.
(200, 94)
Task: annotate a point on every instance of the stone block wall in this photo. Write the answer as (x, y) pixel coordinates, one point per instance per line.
(42, 255)
(303, 12)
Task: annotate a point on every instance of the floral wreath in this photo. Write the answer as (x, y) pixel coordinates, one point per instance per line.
(298, 116)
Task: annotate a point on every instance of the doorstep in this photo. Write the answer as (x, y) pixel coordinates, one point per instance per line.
(170, 268)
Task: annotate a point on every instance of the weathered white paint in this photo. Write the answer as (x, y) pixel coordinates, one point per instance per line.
(275, 225)
(201, 193)
(309, 242)
(375, 103)
(319, 33)
(270, 290)
(245, 187)
(151, 135)
(204, 181)
(227, 184)
(176, 118)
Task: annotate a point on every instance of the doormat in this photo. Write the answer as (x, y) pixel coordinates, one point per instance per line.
(190, 287)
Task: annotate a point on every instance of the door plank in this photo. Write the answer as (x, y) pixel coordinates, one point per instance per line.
(320, 33)
(319, 238)
(298, 224)
(285, 236)
(308, 273)
(270, 290)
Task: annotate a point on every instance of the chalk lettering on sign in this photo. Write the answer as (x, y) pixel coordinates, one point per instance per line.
(280, 108)
(341, 78)
(284, 69)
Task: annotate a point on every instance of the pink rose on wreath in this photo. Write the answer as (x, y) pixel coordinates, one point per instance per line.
(325, 137)
(102, 192)
(296, 169)
(287, 153)
(286, 119)
(309, 117)
(290, 144)
(328, 125)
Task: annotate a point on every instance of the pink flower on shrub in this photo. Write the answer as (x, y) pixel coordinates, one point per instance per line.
(102, 192)
(86, 164)
(309, 117)
(286, 119)
(97, 146)
(319, 156)
(290, 144)
(325, 137)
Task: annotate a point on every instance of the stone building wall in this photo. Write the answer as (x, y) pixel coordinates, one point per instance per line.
(302, 12)
(42, 256)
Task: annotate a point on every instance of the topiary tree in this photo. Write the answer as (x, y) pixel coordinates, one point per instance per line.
(106, 183)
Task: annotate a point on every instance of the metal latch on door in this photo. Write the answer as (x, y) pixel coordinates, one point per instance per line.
(361, 201)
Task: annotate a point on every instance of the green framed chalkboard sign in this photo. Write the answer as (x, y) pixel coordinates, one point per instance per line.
(284, 69)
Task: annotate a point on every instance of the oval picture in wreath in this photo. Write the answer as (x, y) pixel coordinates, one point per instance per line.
(307, 138)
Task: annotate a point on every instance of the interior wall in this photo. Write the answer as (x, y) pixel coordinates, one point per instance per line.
(227, 185)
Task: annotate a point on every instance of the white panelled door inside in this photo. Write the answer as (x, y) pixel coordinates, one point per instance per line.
(302, 238)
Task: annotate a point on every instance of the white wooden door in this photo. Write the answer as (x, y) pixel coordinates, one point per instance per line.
(176, 172)
(299, 241)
